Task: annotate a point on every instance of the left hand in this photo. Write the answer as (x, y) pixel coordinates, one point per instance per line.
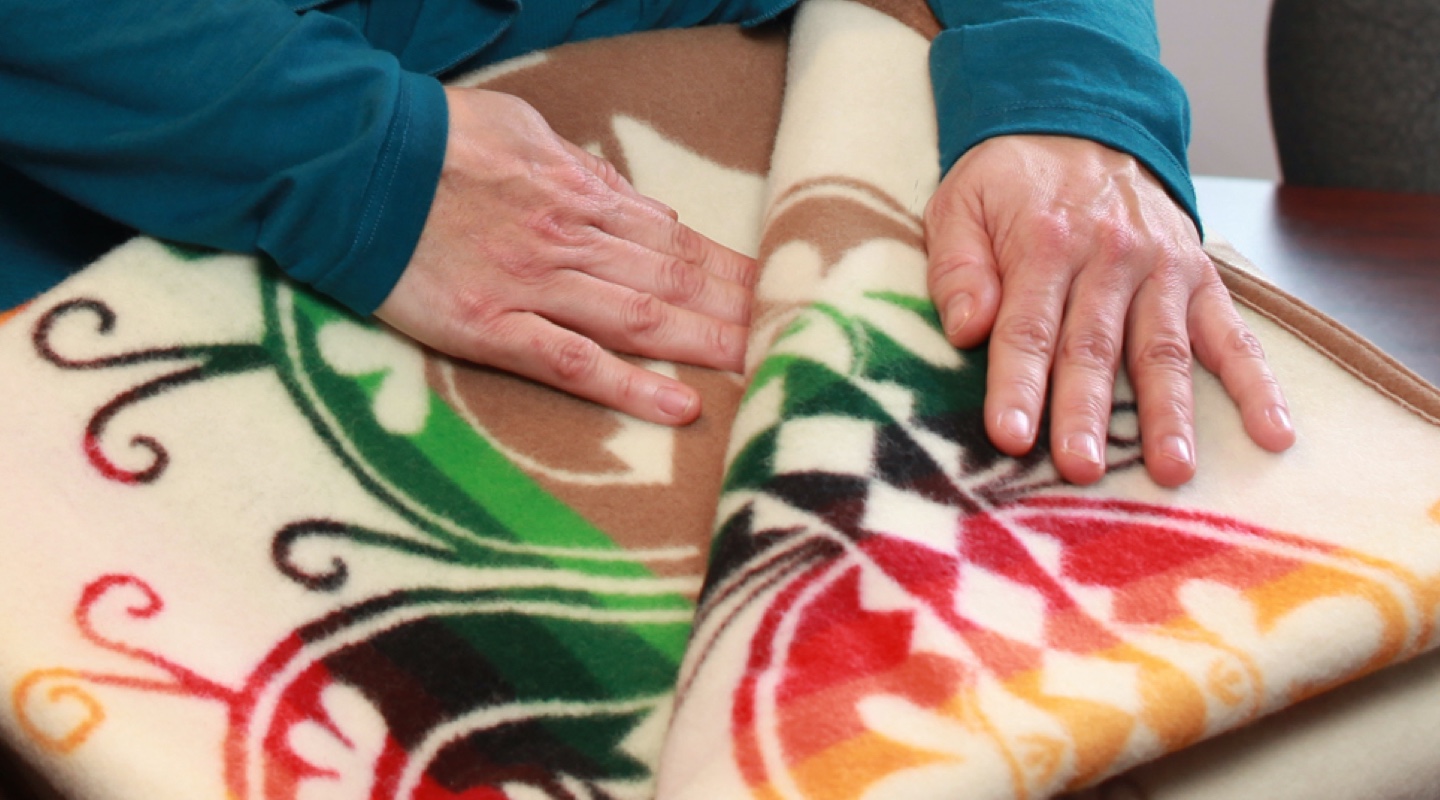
(1069, 256)
(540, 259)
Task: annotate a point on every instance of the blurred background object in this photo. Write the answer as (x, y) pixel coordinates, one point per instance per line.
(1217, 49)
(1354, 91)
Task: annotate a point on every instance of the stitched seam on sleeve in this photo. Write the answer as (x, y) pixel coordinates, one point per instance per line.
(389, 162)
(390, 167)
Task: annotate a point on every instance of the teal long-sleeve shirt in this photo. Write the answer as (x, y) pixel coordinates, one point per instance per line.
(313, 133)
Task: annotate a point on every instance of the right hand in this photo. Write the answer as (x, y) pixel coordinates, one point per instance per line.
(1072, 258)
(539, 258)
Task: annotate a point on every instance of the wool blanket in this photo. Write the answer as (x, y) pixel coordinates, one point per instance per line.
(254, 547)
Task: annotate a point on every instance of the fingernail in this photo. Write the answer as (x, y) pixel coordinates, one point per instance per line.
(1279, 417)
(960, 309)
(1084, 445)
(1016, 423)
(674, 402)
(1178, 449)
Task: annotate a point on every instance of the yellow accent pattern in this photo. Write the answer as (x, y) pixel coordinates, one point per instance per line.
(65, 690)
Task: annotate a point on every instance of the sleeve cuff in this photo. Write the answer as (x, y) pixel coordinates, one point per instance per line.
(396, 199)
(1043, 76)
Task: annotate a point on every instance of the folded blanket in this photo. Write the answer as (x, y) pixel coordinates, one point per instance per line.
(894, 610)
(255, 547)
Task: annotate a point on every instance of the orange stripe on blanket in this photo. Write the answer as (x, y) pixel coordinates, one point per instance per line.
(826, 757)
(1174, 636)
(6, 315)
(828, 745)
(851, 768)
(1404, 626)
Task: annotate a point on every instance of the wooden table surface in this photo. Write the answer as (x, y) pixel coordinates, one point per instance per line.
(1370, 260)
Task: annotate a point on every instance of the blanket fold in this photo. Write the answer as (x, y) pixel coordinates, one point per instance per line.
(894, 609)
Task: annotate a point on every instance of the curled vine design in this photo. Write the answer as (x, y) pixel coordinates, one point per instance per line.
(333, 578)
(47, 688)
(201, 362)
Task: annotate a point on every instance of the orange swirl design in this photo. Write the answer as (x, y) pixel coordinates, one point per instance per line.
(67, 690)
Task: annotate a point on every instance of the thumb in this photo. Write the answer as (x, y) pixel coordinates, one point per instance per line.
(963, 278)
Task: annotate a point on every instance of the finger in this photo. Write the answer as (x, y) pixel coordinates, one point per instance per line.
(642, 324)
(1158, 357)
(608, 173)
(1226, 346)
(673, 238)
(674, 280)
(962, 275)
(1022, 347)
(547, 353)
(1091, 341)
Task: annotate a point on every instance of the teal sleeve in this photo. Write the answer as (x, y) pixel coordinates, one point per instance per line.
(234, 124)
(1085, 68)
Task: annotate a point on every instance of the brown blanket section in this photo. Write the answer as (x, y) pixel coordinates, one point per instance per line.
(717, 91)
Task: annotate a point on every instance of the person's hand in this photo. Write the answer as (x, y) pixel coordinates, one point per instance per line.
(538, 258)
(1069, 256)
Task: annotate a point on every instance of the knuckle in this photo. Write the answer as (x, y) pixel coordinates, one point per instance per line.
(478, 312)
(686, 243)
(1090, 349)
(948, 266)
(579, 195)
(722, 339)
(572, 359)
(1241, 343)
(1117, 241)
(629, 388)
(606, 171)
(574, 176)
(642, 314)
(1164, 352)
(680, 282)
(527, 268)
(1029, 333)
(1053, 230)
(553, 224)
